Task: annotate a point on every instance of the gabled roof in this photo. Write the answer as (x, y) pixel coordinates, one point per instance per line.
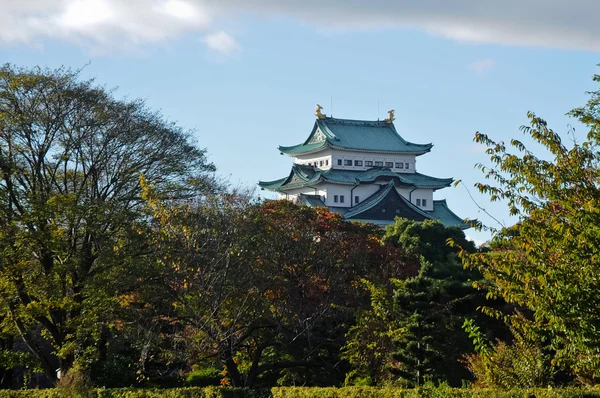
(300, 176)
(442, 212)
(303, 175)
(387, 195)
(311, 200)
(358, 135)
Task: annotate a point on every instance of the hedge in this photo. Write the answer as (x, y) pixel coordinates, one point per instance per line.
(312, 392)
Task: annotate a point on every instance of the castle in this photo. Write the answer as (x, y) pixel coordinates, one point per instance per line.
(363, 170)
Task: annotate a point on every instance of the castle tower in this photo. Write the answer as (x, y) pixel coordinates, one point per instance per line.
(363, 170)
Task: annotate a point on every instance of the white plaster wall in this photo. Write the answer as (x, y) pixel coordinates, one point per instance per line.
(322, 156)
(373, 157)
(364, 192)
(338, 190)
(426, 194)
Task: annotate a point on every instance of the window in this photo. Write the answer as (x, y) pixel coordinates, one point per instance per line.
(320, 163)
(399, 165)
(389, 164)
(406, 166)
(356, 200)
(379, 164)
(339, 162)
(335, 198)
(369, 163)
(315, 164)
(424, 202)
(341, 198)
(358, 162)
(347, 162)
(327, 163)
(418, 202)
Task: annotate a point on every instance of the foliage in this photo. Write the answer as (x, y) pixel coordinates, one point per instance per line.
(70, 157)
(521, 364)
(428, 391)
(548, 262)
(75, 384)
(269, 287)
(412, 329)
(202, 377)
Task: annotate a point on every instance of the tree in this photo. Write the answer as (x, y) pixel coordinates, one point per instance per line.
(269, 288)
(70, 158)
(412, 330)
(548, 262)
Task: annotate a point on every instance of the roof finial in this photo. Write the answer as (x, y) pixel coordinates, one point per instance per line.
(318, 113)
(391, 118)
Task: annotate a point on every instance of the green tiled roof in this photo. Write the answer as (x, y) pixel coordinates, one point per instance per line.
(303, 148)
(311, 200)
(442, 213)
(303, 175)
(361, 135)
(380, 196)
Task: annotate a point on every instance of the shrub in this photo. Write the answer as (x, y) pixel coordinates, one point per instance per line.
(203, 377)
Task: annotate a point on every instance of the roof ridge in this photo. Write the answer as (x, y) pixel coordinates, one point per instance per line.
(343, 120)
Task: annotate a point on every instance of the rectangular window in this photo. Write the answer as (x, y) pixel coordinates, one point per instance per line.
(339, 162)
(400, 165)
(424, 202)
(369, 163)
(356, 200)
(406, 166)
(358, 162)
(315, 164)
(347, 162)
(335, 198)
(418, 202)
(379, 164)
(389, 164)
(341, 198)
(320, 163)
(327, 162)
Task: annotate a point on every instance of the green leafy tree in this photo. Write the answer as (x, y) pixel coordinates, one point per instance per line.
(549, 261)
(70, 157)
(412, 330)
(518, 364)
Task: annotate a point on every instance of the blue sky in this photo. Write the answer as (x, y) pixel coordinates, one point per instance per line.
(246, 75)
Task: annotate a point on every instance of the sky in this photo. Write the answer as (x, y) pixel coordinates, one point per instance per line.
(245, 75)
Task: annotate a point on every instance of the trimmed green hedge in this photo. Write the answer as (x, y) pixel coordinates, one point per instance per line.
(314, 392)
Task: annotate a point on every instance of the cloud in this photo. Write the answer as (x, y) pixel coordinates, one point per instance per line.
(100, 25)
(221, 42)
(546, 23)
(482, 66)
(477, 242)
(106, 24)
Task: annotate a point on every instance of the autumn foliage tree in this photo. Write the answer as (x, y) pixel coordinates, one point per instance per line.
(270, 288)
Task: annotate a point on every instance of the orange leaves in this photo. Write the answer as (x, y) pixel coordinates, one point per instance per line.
(125, 300)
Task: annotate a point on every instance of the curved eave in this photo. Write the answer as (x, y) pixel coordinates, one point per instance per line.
(302, 149)
(447, 216)
(400, 182)
(272, 185)
(431, 183)
(417, 152)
